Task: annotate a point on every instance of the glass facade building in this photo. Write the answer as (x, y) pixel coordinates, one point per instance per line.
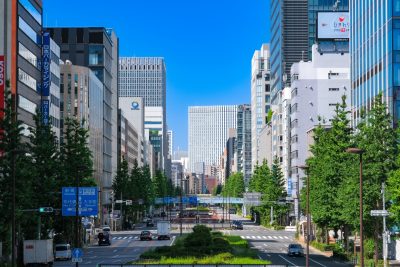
(375, 55)
(289, 40)
(243, 145)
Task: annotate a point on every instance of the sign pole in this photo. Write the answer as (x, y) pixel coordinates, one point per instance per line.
(384, 234)
(77, 216)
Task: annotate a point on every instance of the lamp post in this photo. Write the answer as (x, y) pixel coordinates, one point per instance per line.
(354, 150)
(305, 169)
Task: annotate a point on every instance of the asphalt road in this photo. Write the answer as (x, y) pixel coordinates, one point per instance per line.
(125, 247)
(272, 245)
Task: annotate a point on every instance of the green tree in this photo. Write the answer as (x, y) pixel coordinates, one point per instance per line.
(11, 154)
(160, 184)
(122, 186)
(379, 140)
(43, 163)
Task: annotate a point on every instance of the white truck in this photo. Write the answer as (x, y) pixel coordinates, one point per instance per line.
(163, 230)
(38, 252)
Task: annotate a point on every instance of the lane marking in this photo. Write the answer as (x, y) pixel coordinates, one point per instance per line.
(265, 245)
(259, 237)
(286, 237)
(125, 237)
(280, 237)
(130, 237)
(275, 237)
(115, 250)
(253, 237)
(317, 262)
(248, 237)
(287, 260)
(270, 237)
(264, 237)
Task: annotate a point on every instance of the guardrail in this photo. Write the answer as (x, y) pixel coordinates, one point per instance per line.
(190, 265)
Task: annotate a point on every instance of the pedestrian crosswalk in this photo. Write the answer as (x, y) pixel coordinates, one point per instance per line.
(265, 237)
(125, 237)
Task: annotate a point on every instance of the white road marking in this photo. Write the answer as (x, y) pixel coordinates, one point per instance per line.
(130, 237)
(317, 262)
(248, 237)
(280, 237)
(115, 250)
(243, 237)
(125, 237)
(283, 258)
(253, 237)
(270, 237)
(259, 237)
(286, 237)
(264, 237)
(265, 245)
(116, 256)
(275, 237)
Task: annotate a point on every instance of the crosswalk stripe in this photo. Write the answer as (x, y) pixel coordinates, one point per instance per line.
(253, 237)
(243, 237)
(130, 237)
(248, 237)
(114, 238)
(275, 237)
(286, 237)
(125, 237)
(280, 237)
(264, 237)
(259, 237)
(270, 237)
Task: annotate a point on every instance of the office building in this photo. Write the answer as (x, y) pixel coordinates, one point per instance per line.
(145, 77)
(97, 49)
(170, 136)
(289, 40)
(20, 56)
(54, 97)
(243, 142)
(129, 141)
(81, 97)
(317, 87)
(326, 6)
(260, 98)
(374, 50)
(208, 132)
(176, 172)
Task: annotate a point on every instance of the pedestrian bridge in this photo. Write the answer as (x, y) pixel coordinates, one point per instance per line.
(199, 200)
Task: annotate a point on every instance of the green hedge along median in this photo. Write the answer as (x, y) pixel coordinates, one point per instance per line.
(204, 247)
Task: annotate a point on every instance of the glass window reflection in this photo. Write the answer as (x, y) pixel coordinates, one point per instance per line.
(28, 30)
(32, 10)
(27, 54)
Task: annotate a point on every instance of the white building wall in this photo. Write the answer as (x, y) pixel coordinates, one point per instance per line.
(286, 138)
(208, 132)
(55, 88)
(317, 87)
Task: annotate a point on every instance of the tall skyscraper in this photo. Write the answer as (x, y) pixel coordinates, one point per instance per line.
(97, 49)
(21, 55)
(146, 77)
(260, 98)
(208, 133)
(289, 40)
(374, 55)
(243, 142)
(170, 135)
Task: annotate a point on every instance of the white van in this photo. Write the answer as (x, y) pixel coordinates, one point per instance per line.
(63, 252)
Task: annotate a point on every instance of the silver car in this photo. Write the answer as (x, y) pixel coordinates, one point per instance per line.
(295, 250)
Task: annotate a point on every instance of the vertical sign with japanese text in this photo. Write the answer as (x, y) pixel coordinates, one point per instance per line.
(45, 111)
(2, 83)
(46, 65)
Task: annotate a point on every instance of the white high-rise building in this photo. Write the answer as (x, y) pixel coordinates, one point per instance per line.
(170, 135)
(208, 132)
(146, 77)
(260, 99)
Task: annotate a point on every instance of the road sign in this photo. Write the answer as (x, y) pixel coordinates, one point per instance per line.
(119, 201)
(77, 254)
(252, 198)
(128, 202)
(87, 201)
(381, 213)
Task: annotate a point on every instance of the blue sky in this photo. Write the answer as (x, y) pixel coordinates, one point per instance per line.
(207, 44)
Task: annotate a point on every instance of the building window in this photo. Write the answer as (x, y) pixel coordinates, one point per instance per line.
(64, 36)
(27, 79)
(267, 88)
(31, 10)
(294, 154)
(79, 35)
(396, 7)
(29, 31)
(333, 89)
(28, 55)
(294, 123)
(96, 37)
(96, 55)
(26, 104)
(293, 108)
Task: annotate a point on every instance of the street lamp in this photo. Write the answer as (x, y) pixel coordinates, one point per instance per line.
(354, 150)
(305, 169)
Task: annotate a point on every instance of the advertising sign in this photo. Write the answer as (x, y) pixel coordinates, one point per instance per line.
(289, 186)
(45, 111)
(2, 83)
(88, 201)
(46, 65)
(333, 25)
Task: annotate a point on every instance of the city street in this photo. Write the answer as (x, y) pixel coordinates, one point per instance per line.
(125, 247)
(273, 246)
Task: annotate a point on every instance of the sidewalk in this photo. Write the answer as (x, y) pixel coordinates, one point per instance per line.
(395, 263)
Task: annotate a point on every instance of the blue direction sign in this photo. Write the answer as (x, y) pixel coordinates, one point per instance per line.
(88, 201)
(77, 254)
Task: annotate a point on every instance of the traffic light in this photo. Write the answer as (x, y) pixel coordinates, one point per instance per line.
(45, 209)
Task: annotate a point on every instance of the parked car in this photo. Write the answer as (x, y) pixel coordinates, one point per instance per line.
(150, 224)
(103, 238)
(146, 235)
(295, 250)
(63, 252)
(210, 213)
(106, 229)
(238, 225)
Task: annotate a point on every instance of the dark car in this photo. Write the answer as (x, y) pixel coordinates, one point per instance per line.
(295, 250)
(103, 238)
(237, 225)
(146, 235)
(150, 224)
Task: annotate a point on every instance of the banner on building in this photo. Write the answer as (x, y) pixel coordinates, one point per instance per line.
(45, 111)
(2, 83)
(46, 65)
(333, 25)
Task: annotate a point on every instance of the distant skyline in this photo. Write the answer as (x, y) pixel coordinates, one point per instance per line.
(207, 45)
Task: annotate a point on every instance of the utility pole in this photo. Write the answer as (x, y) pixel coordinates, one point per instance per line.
(180, 206)
(77, 214)
(384, 234)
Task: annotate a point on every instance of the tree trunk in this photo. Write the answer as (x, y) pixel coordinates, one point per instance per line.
(376, 242)
(326, 235)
